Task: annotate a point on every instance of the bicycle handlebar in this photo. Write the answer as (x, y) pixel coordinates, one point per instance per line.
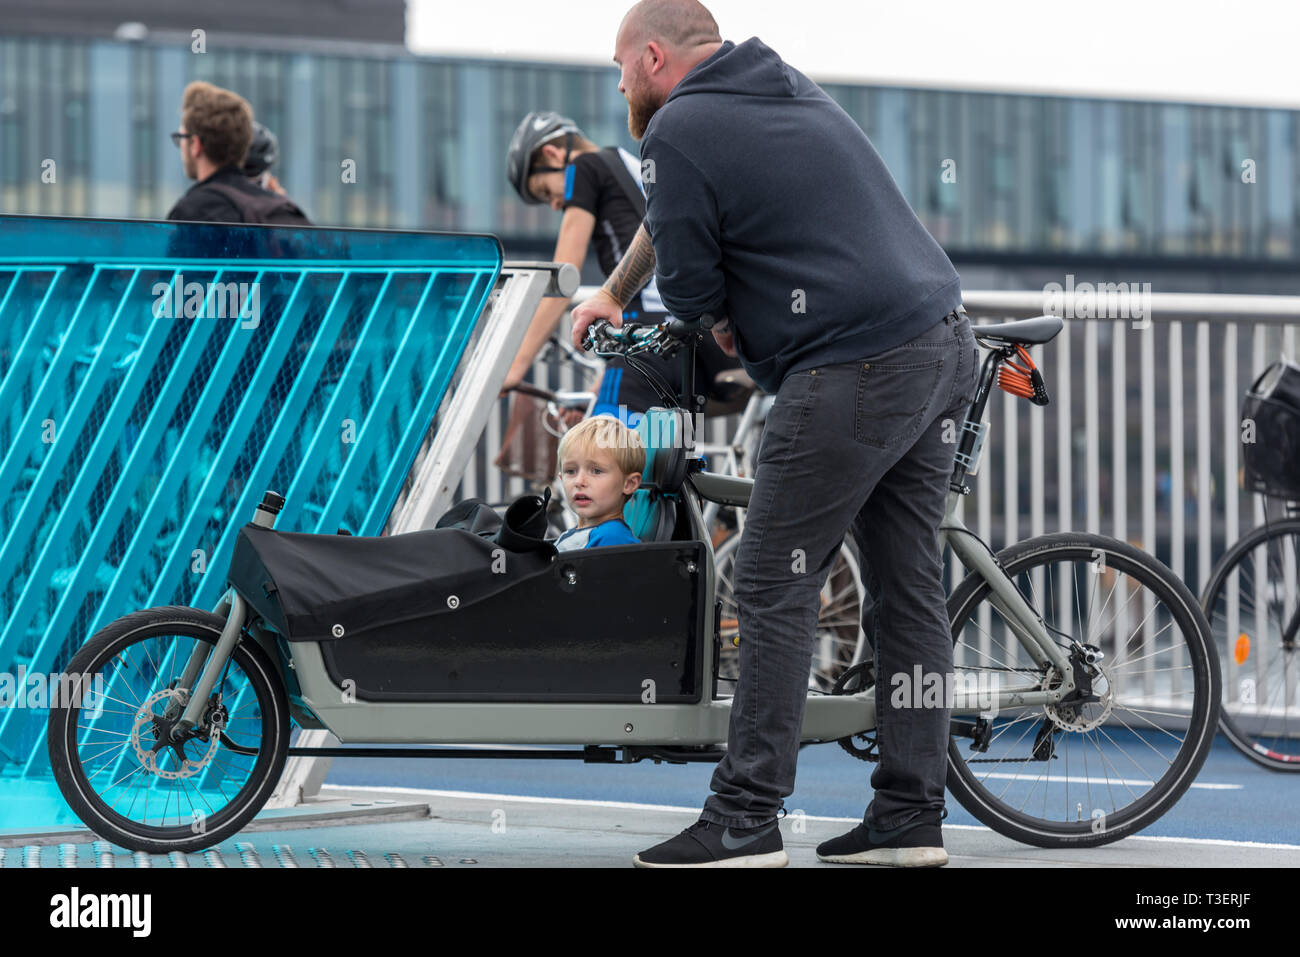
(559, 399)
(631, 338)
(524, 388)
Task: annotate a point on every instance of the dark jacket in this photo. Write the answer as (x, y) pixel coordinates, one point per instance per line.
(767, 203)
(209, 201)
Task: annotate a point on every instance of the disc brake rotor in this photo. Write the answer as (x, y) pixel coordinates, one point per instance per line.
(151, 737)
(1075, 717)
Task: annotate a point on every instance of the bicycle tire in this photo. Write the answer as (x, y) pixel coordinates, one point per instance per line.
(1102, 557)
(75, 772)
(1238, 716)
(839, 644)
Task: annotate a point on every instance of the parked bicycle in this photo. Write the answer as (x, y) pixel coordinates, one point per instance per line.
(1252, 599)
(1084, 702)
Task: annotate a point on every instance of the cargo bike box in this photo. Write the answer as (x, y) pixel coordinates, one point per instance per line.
(449, 615)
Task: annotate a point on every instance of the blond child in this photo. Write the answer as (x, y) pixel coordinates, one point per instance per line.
(600, 461)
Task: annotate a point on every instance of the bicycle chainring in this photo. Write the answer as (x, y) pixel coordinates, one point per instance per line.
(860, 677)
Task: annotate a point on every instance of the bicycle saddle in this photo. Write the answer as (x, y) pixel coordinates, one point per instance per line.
(1025, 332)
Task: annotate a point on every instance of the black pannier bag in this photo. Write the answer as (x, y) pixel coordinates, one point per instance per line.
(449, 614)
(1272, 460)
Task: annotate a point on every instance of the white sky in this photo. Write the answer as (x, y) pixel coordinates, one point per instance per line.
(1214, 51)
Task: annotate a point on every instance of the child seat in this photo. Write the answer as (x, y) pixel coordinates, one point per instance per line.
(651, 512)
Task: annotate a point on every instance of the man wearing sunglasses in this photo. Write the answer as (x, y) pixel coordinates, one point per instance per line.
(214, 137)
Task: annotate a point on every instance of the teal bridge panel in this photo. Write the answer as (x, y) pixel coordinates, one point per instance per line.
(157, 378)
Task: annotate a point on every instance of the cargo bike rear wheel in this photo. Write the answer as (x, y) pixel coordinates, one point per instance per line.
(126, 769)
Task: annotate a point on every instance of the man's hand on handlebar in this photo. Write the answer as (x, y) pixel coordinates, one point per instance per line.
(600, 306)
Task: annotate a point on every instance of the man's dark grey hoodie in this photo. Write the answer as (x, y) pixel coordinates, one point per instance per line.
(768, 204)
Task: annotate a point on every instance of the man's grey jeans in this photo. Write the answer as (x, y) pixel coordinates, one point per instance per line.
(868, 445)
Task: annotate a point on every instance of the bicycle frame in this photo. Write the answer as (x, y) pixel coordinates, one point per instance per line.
(1025, 623)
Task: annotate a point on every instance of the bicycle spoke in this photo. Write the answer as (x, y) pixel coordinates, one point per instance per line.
(1133, 661)
(1031, 791)
(1102, 756)
(1087, 779)
(134, 790)
(1105, 760)
(1144, 740)
(115, 748)
(1163, 714)
(1067, 776)
(1153, 637)
(1004, 662)
(1027, 717)
(1120, 610)
(998, 764)
(1132, 761)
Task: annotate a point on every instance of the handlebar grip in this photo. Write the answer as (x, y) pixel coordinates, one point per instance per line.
(597, 330)
(524, 388)
(679, 329)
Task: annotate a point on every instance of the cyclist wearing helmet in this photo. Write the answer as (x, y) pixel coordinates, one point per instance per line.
(262, 154)
(550, 161)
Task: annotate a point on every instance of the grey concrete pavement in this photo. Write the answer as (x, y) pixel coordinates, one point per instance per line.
(365, 828)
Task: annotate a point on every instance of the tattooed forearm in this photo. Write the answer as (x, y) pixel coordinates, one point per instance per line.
(634, 269)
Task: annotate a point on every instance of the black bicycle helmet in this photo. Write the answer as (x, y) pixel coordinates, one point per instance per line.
(536, 129)
(262, 152)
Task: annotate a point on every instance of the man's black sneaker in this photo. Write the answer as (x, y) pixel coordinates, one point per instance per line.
(918, 843)
(705, 844)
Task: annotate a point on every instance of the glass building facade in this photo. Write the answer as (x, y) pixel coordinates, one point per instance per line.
(84, 124)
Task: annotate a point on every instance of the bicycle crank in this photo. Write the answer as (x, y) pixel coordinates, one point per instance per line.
(859, 677)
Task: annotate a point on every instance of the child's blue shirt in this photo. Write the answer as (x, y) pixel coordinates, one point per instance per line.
(612, 532)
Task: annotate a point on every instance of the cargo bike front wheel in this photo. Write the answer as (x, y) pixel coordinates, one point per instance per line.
(127, 769)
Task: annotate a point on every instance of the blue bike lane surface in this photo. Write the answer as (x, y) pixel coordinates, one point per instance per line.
(1232, 800)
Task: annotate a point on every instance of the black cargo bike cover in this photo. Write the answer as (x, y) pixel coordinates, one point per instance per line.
(449, 615)
(326, 587)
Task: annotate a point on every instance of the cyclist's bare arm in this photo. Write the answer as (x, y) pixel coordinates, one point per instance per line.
(630, 275)
(571, 247)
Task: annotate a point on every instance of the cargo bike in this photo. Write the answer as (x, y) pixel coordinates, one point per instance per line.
(1084, 698)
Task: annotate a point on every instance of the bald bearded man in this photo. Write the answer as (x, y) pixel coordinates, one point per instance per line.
(768, 205)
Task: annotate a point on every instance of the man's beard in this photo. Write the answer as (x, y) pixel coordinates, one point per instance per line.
(191, 166)
(641, 108)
